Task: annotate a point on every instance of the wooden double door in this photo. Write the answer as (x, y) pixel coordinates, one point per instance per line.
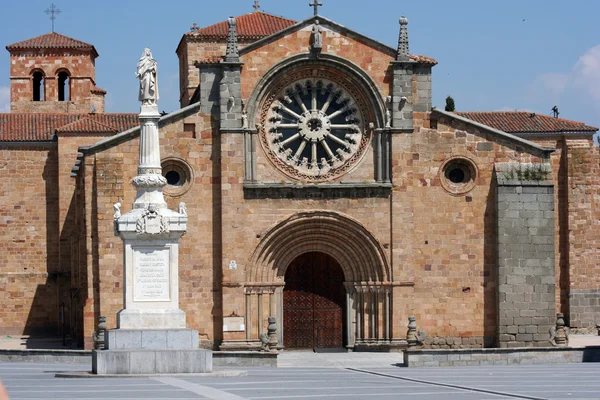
(313, 303)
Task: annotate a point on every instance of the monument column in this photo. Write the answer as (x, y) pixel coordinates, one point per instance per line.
(151, 335)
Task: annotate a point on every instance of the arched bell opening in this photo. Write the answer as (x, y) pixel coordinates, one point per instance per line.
(64, 86)
(38, 85)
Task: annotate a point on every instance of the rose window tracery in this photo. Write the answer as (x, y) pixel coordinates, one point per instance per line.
(314, 129)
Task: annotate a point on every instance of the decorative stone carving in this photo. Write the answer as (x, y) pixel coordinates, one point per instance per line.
(100, 333)
(402, 54)
(272, 333)
(323, 135)
(149, 181)
(151, 222)
(317, 37)
(414, 337)
(147, 69)
(401, 105)
(182, 208)
(232, 54)
(559, 334)
(117, 209)
(388, 112)
(244, 119)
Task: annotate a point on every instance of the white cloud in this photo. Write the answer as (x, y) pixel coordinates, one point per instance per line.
(584, 78)
(586, 73)
(4, 99)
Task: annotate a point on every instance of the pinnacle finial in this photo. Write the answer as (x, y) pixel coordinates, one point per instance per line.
(232, 54)
(402, 54)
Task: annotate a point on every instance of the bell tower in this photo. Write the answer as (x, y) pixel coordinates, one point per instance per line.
(53, 73)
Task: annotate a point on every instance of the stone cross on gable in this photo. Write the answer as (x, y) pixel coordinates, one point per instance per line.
(316, 4)
(53, 12)
(256, 5)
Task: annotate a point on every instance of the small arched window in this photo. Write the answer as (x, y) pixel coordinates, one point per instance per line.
(63, 86)
(38, 86)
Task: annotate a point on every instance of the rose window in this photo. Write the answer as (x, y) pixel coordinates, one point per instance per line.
(314, 129)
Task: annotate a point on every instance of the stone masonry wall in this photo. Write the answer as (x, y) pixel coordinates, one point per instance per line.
(526, 271)
(29, 239)
(110, 181)
(374, 62)
(583, 168)
(81, 69)
(444, 244)
(191, 50)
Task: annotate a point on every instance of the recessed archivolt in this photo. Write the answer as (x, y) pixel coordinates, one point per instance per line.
(360, 255)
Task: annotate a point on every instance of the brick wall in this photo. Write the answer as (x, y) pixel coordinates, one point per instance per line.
(583, 168)
(29, 278)
(444, 242)
(108, 177)
(82, 72)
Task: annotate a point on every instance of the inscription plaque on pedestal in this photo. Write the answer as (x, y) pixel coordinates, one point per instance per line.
(151, 275)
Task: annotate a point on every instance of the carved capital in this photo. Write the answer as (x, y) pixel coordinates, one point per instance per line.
(152, 181)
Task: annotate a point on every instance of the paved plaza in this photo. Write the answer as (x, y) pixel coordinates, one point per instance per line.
(317, 376)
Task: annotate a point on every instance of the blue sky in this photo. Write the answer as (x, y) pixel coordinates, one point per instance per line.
(493, 55)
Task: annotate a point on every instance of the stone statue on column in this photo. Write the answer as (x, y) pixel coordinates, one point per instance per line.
(147, 70)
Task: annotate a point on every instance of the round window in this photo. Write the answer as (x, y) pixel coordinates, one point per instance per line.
(313, 127)
(458, 175)
(178, 175)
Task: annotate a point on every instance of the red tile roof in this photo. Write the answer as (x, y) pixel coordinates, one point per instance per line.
(86, 125)
(26, 127)
(96, 89)
(211, 60)
(253, 26)
(52, 41)
(526, 122)
(423, 59)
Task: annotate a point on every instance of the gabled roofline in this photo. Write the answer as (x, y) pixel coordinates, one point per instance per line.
(383, 47)
(134, 132)
(507, 136)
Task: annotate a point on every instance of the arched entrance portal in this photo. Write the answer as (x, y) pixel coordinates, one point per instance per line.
(328, 241)
(313, 303)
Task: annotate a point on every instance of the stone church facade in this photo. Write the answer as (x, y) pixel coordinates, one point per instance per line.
(321, 187)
